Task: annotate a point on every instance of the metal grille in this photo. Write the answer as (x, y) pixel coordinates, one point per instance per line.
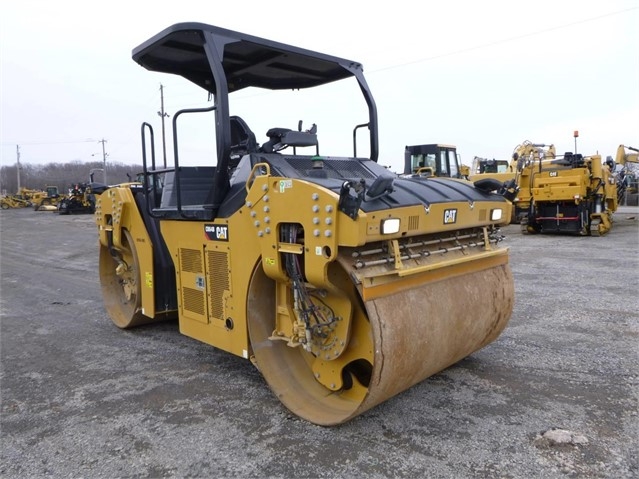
(413, 223)
(218, 267)
(336, 169)
(193, 300)
(190, 260)
(350, 169)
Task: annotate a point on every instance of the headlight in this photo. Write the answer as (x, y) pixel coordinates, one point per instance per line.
(495, 215)
(390, 226)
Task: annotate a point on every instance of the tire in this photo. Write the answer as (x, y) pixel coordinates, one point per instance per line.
(63, 208)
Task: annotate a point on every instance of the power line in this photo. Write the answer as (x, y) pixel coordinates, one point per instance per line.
(48, 142)
(457, 52)
(504, 40)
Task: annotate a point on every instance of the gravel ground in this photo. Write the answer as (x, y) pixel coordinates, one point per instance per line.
(555, 396)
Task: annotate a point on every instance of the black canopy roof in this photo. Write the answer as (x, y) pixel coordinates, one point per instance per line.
(246, 60)
(223, 61)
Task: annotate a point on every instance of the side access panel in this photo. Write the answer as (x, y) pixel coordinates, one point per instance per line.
(206, 307)
(192, 285)
(204, 284)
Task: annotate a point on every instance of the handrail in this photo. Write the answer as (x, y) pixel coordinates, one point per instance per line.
(176, 162)
(357, 127)
(144, 164)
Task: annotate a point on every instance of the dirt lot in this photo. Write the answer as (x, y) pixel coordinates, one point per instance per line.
(81, 398)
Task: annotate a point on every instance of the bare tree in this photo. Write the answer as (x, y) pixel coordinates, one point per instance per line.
(62, 175)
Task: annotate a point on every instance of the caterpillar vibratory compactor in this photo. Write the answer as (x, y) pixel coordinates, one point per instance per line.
(343, 283)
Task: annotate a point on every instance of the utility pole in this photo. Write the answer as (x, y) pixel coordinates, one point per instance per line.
(164, 115)
(18, 166)
(104, 155)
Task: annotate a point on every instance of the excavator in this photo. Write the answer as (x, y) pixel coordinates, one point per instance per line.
(342, 283)
(625, 176)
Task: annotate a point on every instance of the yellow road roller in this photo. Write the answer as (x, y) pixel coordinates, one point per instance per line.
(343, 283)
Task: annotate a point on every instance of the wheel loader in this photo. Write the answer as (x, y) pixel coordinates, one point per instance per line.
(434, 159)
(501, 170)
(342, 283)
(48, 200)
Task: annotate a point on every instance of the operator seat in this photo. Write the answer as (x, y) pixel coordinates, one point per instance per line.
(280, 138)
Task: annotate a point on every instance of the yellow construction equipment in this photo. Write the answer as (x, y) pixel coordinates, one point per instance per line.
(501, 170)
(29, 193)
(13, 201)
(79, 200)
(624, 157)
(626, 177)
(344, 284)
(434, 159)
(507, 172)
(568, 194)
(22, 199)
(48, 200)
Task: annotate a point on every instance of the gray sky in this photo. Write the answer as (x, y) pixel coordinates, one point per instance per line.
(482, 75)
